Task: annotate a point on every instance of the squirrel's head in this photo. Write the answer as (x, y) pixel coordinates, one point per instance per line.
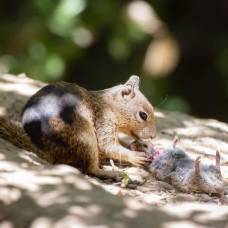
(134, 112)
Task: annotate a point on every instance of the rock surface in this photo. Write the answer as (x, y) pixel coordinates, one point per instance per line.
(36, 194)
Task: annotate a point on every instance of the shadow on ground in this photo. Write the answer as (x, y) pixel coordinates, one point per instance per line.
(36, 194)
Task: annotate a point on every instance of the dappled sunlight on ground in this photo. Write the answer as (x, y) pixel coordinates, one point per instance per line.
(15, 91)
(36, 194)
(197, 136)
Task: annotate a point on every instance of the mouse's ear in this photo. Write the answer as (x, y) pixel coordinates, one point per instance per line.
(217, 161)
(197, 166)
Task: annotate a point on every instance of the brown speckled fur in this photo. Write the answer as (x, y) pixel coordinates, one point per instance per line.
(97, 120)
(13, 132)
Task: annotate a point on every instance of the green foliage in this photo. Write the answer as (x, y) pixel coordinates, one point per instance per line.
(100, 43)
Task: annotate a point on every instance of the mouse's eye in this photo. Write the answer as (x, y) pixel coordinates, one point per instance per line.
(143, 115)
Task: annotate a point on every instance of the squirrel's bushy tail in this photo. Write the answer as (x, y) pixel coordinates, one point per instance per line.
(13, 132)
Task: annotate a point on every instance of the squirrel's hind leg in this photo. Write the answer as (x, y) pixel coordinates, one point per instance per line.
(79, 147)
(85, 150)
(104, 174)
(92, 154)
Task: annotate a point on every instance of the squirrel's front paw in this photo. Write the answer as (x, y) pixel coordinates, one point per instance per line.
(139, 158)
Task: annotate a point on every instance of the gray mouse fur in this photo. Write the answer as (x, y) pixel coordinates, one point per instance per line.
(176, 167)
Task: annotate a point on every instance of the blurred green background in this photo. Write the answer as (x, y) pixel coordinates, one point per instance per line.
(179, 48)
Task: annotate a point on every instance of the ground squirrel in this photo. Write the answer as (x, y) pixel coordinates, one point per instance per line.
(74, 126)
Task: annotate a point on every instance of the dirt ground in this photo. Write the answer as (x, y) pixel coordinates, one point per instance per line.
(152, 191)
(52, 196)
(198, 137)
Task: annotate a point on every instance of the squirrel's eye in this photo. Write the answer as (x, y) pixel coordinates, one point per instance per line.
(143, 115)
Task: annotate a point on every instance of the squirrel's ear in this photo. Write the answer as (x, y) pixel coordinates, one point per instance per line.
(217, 163)
(127, 92)
(129, 87)
(133, 81)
